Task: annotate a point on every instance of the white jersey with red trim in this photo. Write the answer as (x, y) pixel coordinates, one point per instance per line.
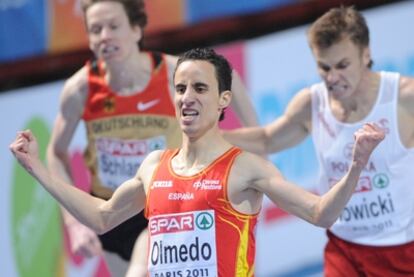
(381, 210)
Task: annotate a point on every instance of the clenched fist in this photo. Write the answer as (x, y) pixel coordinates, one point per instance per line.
(366, 139)
(25, 149)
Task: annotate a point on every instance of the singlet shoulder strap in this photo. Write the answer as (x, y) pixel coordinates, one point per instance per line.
(234, 151)
(318, 99)
(225, 160)
(168, 153)
(389, 87)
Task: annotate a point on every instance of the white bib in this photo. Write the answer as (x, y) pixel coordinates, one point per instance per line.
(183, 244)
(118, 160)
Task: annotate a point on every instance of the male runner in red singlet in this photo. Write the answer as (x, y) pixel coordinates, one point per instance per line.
(124, 98)
(202, 199)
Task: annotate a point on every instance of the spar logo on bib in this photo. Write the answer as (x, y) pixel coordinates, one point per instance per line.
(171, 224)
(180, 223)
(204, 221)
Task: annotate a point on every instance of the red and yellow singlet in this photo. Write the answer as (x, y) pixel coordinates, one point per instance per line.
(122, 130)
(194, 230)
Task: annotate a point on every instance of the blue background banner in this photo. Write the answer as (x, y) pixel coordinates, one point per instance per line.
(202, 10)
(23, 29)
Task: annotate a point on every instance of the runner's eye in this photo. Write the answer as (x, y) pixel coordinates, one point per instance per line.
(324, 68)
(201, 88)
(343, 65)
(95, 29)
(180, 89)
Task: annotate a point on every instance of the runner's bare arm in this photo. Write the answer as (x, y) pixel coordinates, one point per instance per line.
(284, 132)
(83, 240)
(318, 210)
(406, 111)
(98, 214)
(241, 103)
(171, 63)
(129, 199)
(72, 103)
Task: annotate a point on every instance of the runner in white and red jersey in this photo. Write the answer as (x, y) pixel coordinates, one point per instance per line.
(374, 235)
(202, 199)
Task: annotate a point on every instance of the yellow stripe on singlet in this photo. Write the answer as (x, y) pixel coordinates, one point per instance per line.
(242, 265)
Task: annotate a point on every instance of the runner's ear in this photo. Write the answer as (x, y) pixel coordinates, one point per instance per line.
(225, 99)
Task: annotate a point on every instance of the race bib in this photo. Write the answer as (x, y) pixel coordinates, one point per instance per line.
(183, 245)
(118, 160)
